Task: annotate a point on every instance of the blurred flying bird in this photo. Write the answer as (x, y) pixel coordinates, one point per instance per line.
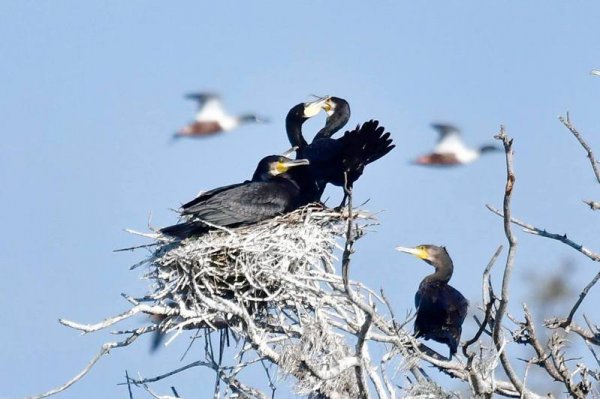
(212, 119)
(450, 149)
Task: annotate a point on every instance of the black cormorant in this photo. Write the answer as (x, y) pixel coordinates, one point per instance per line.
(441, 309)
(311, 188)
(450, 149)
(271, 192)
(341, 160)
(211, 118)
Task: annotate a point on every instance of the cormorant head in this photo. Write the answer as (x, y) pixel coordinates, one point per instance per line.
(432, 254)
(303, 111)
(275, 165)
(338, 114)
(336, 105)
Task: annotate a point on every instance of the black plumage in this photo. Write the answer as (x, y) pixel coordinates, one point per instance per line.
(341, 161)
(310, 186)
(271, 192)
(441, 308)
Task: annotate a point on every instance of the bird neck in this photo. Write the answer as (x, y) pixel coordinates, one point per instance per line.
(293, 127)
(443, 272)
(334, 123)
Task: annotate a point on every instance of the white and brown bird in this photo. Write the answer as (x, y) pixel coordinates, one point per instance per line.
(451, 150)
(211, 117)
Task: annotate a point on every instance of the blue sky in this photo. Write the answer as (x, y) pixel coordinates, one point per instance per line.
(92, 92)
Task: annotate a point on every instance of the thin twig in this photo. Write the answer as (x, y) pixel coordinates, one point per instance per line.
(488, 305)
(567, 122)
(106, 348)
(542, 357)
(567, 323)
(128, 385)
(528, 228)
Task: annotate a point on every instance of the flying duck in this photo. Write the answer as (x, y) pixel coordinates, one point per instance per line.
(211, 117)
(450, 149)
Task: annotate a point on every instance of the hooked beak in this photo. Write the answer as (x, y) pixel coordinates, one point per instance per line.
(289, 152)
(419, 253)
(296, 162)
(313, 108)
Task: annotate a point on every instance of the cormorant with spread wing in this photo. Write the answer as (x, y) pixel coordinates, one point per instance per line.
(341, 161)
(441, 308)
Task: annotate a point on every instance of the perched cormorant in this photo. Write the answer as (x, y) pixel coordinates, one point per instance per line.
(211, 118)
(271, 192)
(450, 149)
(337, 160)
(441, 309)
(312, 189)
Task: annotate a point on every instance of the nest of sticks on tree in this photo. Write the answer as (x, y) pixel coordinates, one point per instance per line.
(276, 264)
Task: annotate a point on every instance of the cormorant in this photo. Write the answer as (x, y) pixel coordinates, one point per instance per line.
(337, 160)
(311, 188)
(211, 118)
(441, 309)
(450, 149)
(271, 192)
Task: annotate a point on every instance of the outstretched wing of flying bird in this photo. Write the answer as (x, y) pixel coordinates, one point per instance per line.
(449, 141)
(210, 107)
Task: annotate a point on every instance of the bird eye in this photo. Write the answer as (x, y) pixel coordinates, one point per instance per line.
(280, 167)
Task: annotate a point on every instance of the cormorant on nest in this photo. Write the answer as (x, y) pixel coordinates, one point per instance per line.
(271, 192)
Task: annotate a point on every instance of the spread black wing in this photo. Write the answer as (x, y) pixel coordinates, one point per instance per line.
(363, 145)
(331, 158)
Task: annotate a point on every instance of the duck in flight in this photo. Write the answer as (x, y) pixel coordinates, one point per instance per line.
(451, 150)
(340, 161)
(441, 308)
(211, 118)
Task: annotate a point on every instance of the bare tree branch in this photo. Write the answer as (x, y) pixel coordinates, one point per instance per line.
(106, 348)
(512, 244)
(543, 233)
(567, 122)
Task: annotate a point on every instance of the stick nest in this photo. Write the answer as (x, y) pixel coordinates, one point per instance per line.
(279, 263)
